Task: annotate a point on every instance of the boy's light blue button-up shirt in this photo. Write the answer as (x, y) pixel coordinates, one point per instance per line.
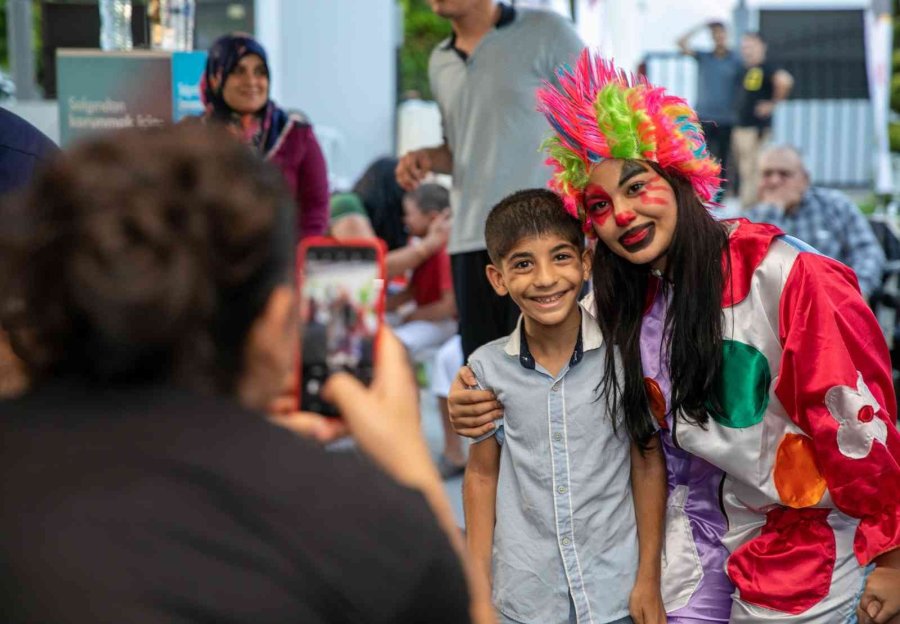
(565, 516)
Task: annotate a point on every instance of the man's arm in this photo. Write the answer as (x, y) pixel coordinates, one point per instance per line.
(409, 257)
(648, 484)
(441, 310)
(782, 83)
(442, 158)
(479, 500)
(863, 252)
(684, 41)
(415, 165)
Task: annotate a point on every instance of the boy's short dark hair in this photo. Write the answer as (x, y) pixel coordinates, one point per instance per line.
(532, 212)
(430, 197)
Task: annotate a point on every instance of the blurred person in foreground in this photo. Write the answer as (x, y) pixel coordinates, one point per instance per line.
(23, 149)
(824, 218)
(718, 75)
(151, 296)
(484, 78)
(235, 92)
(763, 85)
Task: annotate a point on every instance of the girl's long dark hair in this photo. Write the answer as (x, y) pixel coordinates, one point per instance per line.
(695, 274)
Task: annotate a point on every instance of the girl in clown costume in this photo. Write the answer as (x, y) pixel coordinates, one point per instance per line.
(755, 358)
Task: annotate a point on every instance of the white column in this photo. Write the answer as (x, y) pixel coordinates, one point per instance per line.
(267, 21)
(335, 60)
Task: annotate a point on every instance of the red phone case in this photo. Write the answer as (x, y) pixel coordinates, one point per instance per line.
(326, 241)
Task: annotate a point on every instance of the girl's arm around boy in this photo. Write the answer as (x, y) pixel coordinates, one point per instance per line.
(648, 484)
(479, 500)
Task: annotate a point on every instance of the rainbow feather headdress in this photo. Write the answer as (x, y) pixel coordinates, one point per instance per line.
(599, 111)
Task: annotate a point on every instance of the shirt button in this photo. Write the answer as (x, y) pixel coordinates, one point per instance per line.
(555, 387)
(562, 489)
(566, 541)
(557, 436)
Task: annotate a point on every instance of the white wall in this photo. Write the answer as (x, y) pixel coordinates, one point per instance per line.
(335, 61)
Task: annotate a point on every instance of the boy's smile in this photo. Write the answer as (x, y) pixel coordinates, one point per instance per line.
(543, 275)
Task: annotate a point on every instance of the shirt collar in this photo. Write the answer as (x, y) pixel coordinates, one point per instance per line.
(507, 15)
(589, 338)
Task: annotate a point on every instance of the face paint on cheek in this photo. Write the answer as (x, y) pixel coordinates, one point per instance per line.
(593, 195)
(650, 200)
(656, 183)
(600, 217)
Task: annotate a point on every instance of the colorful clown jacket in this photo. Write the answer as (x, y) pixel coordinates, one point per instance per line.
(793, 486)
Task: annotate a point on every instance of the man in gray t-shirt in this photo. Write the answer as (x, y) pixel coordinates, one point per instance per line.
(718, 78)
(484, 79)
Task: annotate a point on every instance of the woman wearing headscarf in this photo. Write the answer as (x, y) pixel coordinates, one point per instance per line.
(235, 92)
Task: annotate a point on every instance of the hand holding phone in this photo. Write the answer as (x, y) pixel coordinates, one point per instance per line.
(341, 285)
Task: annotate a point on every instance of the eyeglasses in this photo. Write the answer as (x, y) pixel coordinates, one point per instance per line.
(781, 173)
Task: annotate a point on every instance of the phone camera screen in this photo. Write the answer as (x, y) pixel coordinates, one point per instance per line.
(340, 290)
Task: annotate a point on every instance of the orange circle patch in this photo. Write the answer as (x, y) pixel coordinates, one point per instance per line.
(797, 477)
(657, 401)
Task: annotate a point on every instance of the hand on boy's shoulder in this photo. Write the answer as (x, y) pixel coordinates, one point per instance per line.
(472, 412)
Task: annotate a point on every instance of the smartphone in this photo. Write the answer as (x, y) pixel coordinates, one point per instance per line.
(341, 286)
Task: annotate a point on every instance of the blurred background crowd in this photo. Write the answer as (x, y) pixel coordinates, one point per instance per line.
(345, 90)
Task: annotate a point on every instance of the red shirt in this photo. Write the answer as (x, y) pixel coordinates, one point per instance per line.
(431, 279)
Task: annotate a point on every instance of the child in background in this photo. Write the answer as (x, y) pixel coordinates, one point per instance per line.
(432, 320)
(550, 509)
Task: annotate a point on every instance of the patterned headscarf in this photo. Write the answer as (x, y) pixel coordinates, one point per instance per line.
(599, 111)
(259, 129)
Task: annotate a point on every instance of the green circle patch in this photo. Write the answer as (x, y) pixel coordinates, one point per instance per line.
(742, 389)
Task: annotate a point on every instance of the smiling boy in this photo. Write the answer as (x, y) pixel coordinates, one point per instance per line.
(550, 512)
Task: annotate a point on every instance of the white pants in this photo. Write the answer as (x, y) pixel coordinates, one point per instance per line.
(447, 361)
(421, 338)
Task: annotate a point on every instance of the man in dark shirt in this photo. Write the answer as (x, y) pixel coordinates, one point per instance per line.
(763, 85)
(718, 73)
(22, 148)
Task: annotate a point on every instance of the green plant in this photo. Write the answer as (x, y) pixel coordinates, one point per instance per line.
(4, 44)
(35, 32)
(894, 136)
(422, 30)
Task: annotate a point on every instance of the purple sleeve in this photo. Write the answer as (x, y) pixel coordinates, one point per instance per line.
(312, 189)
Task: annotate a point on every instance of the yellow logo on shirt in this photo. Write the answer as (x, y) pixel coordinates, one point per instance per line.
(753, 79)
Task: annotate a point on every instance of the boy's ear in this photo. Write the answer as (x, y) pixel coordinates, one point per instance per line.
(587, 262)
(495, 277)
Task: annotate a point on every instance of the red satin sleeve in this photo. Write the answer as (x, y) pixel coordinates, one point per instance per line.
(835, 383)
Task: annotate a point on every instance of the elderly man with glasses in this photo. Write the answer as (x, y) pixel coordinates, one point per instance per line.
(824, 218)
